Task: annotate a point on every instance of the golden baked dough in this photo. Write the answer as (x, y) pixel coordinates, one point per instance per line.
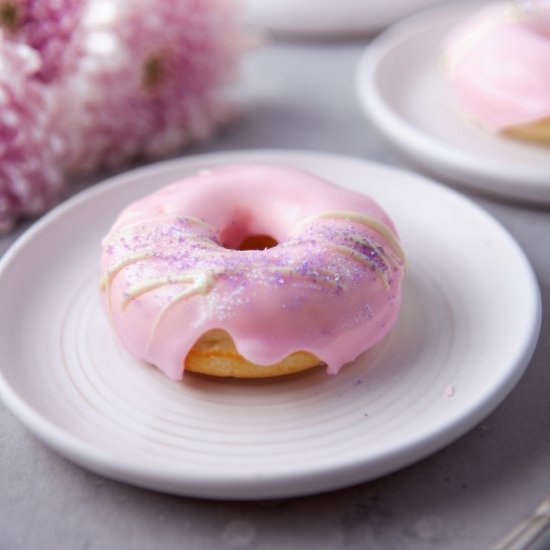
(538, 131)
(215, 354)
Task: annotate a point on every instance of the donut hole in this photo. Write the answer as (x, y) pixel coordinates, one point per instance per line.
(241, 233)
(258, 242)
(250, 242)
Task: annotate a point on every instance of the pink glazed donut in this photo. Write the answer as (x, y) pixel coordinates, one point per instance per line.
(251, 271)
(499, 68)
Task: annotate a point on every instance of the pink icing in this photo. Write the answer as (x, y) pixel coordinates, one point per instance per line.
(331, 286)
(500, 64)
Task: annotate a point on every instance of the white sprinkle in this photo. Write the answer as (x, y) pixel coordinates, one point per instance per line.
(450, 391)
(204, 172)
(238, 533)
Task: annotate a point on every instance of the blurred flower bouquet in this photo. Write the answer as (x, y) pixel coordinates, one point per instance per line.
(93, 84)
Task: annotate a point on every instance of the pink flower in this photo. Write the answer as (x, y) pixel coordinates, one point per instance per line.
(48, 26)
(92, 84)
(30, 146)
(150, 78)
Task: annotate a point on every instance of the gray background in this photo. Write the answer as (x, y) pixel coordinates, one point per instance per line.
(301, 96)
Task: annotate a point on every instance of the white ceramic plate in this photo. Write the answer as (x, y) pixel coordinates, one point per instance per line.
(457, 351)
(317, 18)
(402, 87)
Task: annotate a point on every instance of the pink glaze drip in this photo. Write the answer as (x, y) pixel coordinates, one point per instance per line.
(499, 63)
(331, 286)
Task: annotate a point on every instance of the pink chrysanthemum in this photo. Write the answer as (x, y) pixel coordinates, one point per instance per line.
(150, 77)
(30, 149)
(48, 26)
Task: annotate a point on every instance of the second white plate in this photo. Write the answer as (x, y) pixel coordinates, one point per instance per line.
(322, 18)
(456, 352)
(402, 87)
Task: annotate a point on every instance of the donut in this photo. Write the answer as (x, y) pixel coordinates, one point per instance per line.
(251, 271)
(499, 69)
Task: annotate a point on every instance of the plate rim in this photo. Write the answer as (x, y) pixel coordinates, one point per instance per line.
(297, 29)
(275, 485)
(419, 145)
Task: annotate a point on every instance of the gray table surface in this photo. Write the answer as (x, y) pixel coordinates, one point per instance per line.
(300, 96)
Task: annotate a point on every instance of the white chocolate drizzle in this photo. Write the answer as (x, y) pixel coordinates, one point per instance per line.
(368, 221)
